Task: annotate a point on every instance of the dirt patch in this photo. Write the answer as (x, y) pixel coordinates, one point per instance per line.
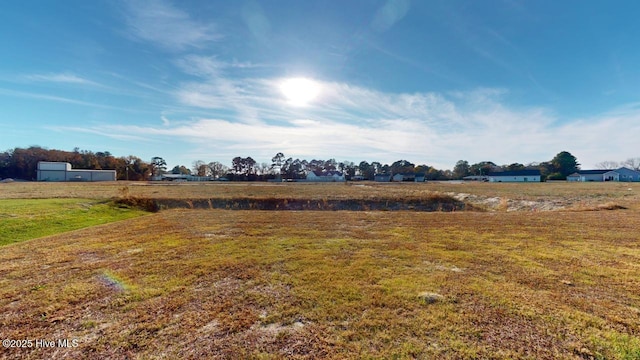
(435, 203)
(441, 202)
(505, 204)
(430, 298)
(145, 204)
(598, 207)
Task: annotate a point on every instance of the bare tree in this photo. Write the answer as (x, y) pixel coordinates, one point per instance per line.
(608, 165)
(264, 168)
(633, 163)
(217, 169)
(200, 168)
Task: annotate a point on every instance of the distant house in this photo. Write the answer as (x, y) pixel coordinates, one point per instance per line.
(181, 177)
(611, 176)
(404, 177)
(382, 177)
(420, 177)
(628, 175)
(475, 178)
(62, 171)
(515, 176)
(325, 176)
(621, 174)
(587, 175)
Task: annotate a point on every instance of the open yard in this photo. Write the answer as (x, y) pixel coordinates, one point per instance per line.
(508, 280)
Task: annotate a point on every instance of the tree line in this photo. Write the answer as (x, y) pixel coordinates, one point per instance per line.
(558, 168)
(282, 167)
(20, 163)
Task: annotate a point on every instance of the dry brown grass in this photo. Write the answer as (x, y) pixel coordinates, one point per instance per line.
(530, 191)
(253, 284)
(491, 196)
(223, 284)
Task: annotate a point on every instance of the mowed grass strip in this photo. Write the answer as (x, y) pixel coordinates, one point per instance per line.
(344, 285)
(24, 219)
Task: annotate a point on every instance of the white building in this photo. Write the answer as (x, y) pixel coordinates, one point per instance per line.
(326, 176)
(515, 176)
(62, 171)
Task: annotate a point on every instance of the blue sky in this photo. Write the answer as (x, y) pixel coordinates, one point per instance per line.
(431, 82)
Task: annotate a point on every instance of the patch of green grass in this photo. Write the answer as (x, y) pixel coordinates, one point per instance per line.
(614, 345)
(25, 219)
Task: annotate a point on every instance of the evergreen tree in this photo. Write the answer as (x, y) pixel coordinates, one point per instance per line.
(564, 164)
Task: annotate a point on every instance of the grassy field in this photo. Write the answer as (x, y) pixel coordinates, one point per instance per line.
(573, 192)
(24, 219)
(333, 284)
(491, 196)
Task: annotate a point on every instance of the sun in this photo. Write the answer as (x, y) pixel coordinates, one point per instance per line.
(300, 91)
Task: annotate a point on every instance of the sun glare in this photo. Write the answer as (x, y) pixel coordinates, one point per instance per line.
(300, 91)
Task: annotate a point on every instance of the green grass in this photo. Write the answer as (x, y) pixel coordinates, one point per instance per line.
(24, 219)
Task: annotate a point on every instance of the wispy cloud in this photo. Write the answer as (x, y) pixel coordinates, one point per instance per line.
(31, 95)
(98, 130)
(66, 78)
(202, 66)
(62, 99)
(210, 66)
(355, 123)
(165, 25)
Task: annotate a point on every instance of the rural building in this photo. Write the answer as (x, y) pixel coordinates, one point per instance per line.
(621, 174)
(515, 176)
(420, 177)
(325, 176)
(180, 177)
(587, 175)
(628, 175)
(475, 178)
(382, 177)
(62, 171)
(404, 177)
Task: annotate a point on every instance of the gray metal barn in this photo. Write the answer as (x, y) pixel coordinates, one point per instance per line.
(62, 171)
